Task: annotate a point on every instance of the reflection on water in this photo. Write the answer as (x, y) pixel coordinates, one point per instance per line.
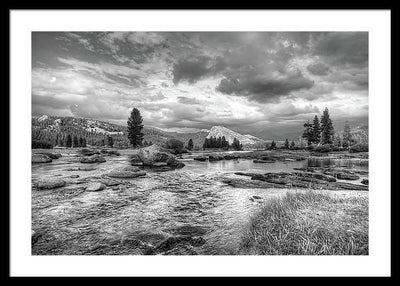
(241, 165)
(330, 162)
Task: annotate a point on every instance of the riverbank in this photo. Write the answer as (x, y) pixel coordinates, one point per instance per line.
(309, 223)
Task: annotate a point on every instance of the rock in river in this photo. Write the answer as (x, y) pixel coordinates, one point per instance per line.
(153, 154)
(364, 181)
(93, 159)
(200, 158)
(263, 161)
(40, 158)
(46, 184)
(89, 152)
(51, 155)
(126, 172)
(347, 176)
(95, 187)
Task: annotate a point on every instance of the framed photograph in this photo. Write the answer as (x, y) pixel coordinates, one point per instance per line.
(200, 143)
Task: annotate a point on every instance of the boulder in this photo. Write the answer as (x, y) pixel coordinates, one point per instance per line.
(51, 155)
(263, 161)
(154, 153)
(231, 157)
(126, 172)
(40, 158)
(215, 158)
(95, 187)
(46, 184)
(256, 184)
(93, 159)
(347, 176)
(200, 159)
(365, 181)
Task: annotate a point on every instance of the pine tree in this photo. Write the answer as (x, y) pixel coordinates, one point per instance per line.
(224, 143)
(286, 144)
(219, 142)
(110, 141)
(60, 141)
(75, 142)
(346, 135)
(135, 127)
(68, 142)
(316, 137)
(236, 144)
(327, 130)
(273, 145)
(206, 143)
(308, 132)
(292, 145)
(190, 144)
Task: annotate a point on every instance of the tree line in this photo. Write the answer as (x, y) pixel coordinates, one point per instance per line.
(321, 131)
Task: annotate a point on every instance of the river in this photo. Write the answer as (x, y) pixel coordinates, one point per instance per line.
(188, 201)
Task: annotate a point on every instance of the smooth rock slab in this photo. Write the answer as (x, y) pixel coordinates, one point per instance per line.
(41, 158)
(126, 172)
(160, 164)
(47, 184)
(93, 159)
(95, 187)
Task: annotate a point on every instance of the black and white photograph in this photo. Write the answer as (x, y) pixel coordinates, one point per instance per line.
(208, 143)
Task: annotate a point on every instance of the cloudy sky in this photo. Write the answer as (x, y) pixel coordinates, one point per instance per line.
(263, 83)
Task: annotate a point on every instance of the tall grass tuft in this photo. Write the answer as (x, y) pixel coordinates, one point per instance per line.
(309, 223)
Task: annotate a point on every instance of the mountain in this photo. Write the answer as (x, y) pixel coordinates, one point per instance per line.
(245, 140)
(55, 128)
(158, 136)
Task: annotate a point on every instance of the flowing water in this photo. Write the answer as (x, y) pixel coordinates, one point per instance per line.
(189, 201)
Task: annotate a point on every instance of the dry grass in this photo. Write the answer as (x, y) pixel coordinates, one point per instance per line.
(309, 223)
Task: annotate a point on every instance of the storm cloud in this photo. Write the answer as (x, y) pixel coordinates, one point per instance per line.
(252, 82)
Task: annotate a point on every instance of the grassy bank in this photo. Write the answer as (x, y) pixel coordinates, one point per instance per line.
(309, 223)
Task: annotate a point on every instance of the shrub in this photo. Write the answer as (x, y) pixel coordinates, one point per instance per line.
(323, 148)
(359, 148)
(175, 145)
(41, 145)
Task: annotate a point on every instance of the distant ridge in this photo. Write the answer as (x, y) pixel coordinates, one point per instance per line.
(156, 135)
